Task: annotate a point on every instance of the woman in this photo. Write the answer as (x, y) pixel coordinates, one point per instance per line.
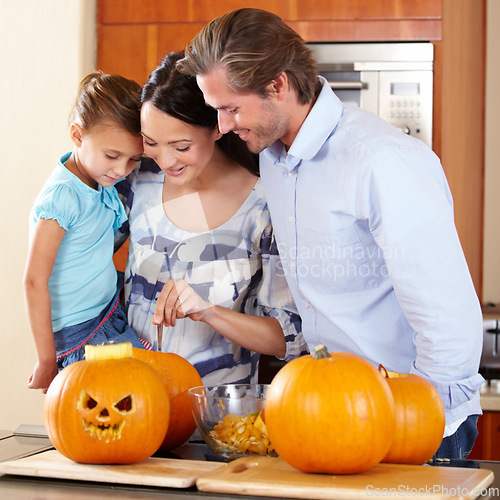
(202, 259)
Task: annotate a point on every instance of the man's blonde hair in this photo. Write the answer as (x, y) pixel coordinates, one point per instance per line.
(255, 47)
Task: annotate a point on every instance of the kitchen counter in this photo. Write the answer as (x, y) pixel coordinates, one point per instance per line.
(25, 443)
(27, 488)
(490, 396)
(12, 487)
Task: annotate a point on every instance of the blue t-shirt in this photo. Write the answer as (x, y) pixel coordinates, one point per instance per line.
(83, 280)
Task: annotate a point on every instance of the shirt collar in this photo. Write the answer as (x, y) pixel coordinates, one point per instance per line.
(317, 127)
(77, 183)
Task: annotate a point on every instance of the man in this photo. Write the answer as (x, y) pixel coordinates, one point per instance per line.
(363, 214)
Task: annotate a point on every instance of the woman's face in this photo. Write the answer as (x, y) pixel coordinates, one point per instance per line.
(182, 151)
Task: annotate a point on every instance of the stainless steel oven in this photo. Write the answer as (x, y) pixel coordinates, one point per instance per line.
(489, 366)
(392, 80)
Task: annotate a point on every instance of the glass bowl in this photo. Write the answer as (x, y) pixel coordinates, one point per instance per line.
(230, 421)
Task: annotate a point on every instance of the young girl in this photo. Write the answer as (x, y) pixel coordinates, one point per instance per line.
(71, 286)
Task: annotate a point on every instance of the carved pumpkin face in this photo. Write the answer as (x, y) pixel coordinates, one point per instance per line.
(105, 419)
(107, 411)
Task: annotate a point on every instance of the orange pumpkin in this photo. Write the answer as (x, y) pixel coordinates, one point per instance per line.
(109, 408)
(330, 412)
(178, 376)
(420, 419)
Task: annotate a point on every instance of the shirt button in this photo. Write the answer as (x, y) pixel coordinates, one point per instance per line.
(290, 218)
(307, 305)
(291, 172)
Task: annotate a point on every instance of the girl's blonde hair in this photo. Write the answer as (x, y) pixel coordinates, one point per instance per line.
(104, 97)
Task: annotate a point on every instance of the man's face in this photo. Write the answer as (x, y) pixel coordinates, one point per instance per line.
(256, 120)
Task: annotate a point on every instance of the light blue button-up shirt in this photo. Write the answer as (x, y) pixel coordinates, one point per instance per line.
(363, 217)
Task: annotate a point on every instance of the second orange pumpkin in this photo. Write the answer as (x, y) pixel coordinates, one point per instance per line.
(419, 416)
(178, 376)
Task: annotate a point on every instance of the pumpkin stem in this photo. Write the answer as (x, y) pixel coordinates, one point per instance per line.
(109, 351)
(321, 352)
(383, 371)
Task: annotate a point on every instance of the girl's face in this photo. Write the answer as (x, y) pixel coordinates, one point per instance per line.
(182, 151)
(106, 153)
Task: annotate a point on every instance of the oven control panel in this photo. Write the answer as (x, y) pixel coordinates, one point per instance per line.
(393, 80)
(405, 101)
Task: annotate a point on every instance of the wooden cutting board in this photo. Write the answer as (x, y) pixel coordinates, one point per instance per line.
(273, 477)
(162, 472)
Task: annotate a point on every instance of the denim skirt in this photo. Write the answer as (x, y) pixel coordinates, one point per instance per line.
(110, 326)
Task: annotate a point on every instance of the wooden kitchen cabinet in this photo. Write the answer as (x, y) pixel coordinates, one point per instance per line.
(160, 11)
(134, 36)
(367, 20)
(487, 446)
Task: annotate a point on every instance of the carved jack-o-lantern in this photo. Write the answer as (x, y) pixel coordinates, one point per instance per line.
(105, 410)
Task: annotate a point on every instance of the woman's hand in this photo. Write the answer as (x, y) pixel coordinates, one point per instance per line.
(42, 377)
(178, 300)
(260, 334)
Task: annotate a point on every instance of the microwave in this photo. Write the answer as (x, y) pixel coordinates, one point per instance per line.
(392, 80)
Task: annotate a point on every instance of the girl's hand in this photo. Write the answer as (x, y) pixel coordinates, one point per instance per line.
(178, 300)
(42, 376)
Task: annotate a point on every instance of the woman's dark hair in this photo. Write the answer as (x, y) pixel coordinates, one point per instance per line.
(179, 96)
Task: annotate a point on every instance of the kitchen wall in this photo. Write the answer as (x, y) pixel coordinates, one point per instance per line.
(46, 47)
(491, 264)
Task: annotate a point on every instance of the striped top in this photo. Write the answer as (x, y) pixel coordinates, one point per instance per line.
(235, 265)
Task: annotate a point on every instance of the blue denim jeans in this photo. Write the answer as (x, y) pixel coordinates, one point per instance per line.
(110, 326)
(459, 445)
